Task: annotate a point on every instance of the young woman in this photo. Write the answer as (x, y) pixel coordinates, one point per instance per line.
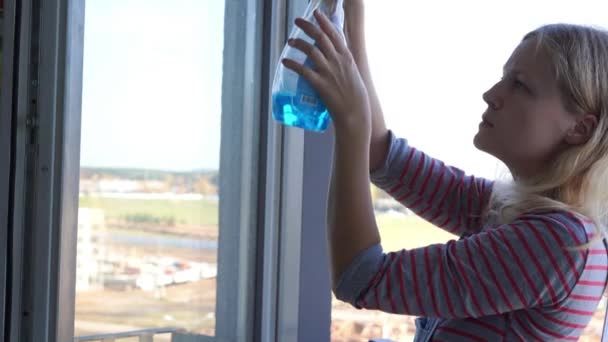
(531, 261)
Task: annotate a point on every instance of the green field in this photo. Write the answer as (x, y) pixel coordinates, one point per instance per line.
(199, 213)
(397, 231)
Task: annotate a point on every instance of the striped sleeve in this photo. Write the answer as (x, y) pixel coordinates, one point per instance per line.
(442, 195)
(520, 265)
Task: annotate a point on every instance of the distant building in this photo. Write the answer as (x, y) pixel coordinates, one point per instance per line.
(119, 185)
(91, 251)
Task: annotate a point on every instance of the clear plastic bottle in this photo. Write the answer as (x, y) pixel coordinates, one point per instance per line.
(294, 101)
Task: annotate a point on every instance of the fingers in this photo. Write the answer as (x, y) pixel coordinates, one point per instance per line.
(317, 57)
(320, 38)
(329, 45)
(330, 30)
(310, 75)
(325, 36)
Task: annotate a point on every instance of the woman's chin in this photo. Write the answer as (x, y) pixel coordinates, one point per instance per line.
(483, 144)
(478, 141)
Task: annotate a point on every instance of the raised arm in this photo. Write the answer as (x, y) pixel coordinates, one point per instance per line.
(354, 30)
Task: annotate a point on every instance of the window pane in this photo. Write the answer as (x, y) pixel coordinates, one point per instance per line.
(148, 217)
(431, 87)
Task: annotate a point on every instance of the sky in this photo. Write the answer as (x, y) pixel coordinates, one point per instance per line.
(152, 74)
(152, 84)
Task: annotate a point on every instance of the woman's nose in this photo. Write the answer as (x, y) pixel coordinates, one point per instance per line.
(492, 98)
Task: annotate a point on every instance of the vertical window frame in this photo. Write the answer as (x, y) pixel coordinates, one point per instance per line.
(47, 92)
(9, 208)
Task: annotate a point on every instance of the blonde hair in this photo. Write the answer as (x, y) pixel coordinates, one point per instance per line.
(578, 179)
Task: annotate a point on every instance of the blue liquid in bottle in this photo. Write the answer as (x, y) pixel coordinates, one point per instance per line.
(297, 110)
(303, 109)
(294, 101)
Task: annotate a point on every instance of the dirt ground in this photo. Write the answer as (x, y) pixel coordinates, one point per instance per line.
(190, 306)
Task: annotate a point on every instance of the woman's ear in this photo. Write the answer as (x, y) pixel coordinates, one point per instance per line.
(582, 131)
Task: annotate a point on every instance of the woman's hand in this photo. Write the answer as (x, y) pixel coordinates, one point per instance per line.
(336, 76)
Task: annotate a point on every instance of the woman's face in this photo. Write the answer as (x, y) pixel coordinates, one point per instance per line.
(526, 120)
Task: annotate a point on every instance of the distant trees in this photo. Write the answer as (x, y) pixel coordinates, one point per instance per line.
(153, 181)
(145, 218)
(205, 186)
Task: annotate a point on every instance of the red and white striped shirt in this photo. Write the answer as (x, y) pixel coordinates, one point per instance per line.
(509, 282)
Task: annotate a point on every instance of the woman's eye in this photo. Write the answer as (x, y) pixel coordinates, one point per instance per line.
(518, 84)
(515, 83)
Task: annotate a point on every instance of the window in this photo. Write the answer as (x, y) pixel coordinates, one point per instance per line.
(166, 224)
(164, 185)
(149, 180)
(430, 78)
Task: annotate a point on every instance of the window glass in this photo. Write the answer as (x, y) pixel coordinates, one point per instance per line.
(149, 190)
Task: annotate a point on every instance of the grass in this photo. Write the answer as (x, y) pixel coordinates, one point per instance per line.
(198, 212)
(397, 232)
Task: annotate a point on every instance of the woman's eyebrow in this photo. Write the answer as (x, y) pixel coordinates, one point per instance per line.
(507, 69)
(518, 72)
